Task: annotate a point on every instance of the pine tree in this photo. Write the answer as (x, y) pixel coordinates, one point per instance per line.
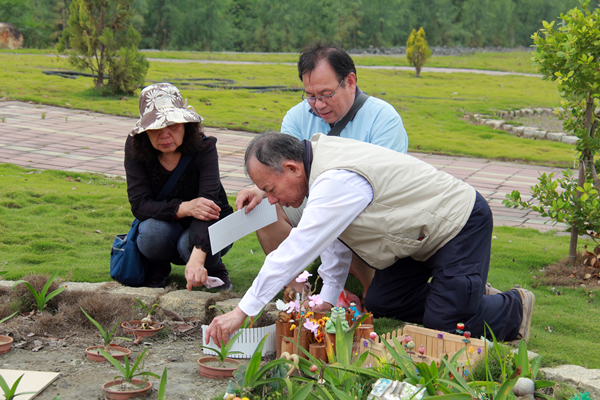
(417, 50)
(99, 37)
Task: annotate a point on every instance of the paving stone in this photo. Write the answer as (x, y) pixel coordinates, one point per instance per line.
(585, 380)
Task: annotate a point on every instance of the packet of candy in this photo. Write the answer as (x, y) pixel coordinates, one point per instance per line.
(386, 389)
(212, 282)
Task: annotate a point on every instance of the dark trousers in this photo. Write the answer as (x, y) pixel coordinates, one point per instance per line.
(163, 243)
(449, 287)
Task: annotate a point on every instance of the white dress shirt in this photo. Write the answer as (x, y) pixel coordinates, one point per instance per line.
(335, 199)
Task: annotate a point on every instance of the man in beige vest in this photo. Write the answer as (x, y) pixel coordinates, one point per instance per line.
(426, 234)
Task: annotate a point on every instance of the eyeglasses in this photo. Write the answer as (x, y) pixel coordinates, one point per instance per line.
(326, 98)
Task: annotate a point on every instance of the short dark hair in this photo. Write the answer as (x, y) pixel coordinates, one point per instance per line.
(143, 151)
(338, 59)
(273, 149)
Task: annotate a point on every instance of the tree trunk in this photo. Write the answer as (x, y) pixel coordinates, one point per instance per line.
(583, 163)
(418, 69)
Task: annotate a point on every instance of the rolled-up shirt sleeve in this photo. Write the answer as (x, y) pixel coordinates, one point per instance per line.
(336, 198)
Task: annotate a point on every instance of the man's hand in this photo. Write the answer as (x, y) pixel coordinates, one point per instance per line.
(195, 273)
(325, 307)
(249, 198)
(221, 326)
(200, 208)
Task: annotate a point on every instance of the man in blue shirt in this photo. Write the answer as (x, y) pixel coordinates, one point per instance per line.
(329, 77)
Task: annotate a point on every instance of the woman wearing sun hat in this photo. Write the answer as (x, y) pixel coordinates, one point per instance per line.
(175, 230)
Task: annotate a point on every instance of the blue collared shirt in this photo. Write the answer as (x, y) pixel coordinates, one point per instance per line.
(376, 122)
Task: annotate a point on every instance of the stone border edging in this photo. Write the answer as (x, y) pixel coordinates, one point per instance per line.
(523, 131)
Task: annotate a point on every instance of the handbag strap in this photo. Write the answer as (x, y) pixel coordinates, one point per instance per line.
(358, 103)
(183, 162)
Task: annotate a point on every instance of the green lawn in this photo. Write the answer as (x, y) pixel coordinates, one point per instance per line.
(432, 107)
(515, 61)
(66, 221)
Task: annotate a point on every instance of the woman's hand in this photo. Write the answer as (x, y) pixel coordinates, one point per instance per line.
(200, 208)
(221, 326)
(195, 273)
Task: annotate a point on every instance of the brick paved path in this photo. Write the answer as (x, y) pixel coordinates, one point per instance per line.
(75, 140)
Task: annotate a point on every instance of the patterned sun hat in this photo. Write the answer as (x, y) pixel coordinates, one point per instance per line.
(161, 105)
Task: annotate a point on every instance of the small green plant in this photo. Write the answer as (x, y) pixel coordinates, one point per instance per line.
(142, 305)
(2, 119)
(43, 115)
(252, 375)
(9, 317)
(105, 334)
(223, 352)
(128, 372)
(163, 385)
(42, 298)
(9, 391)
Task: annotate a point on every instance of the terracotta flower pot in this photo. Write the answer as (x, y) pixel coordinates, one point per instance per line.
(5, 344)
(94, 355)
(112, 392)
(135, 327)
(214, 372)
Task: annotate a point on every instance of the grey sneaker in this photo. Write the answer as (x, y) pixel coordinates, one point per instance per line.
(224, 276)
(528, 300)
(491, 290)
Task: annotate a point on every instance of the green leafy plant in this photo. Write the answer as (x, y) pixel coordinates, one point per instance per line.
(253, 376)
(150, 310)
(106, 335)
(9, 317)
(162, 385)
(127, 372)
(224, 350)
(42, 298)
(9, 391)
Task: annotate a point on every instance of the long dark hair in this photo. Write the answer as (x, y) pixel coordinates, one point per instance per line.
(143, 151)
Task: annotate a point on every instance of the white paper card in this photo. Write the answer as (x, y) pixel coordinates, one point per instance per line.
(239, 224)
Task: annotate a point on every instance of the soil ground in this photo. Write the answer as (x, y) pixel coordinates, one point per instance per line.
(83, 379)
(55, 341)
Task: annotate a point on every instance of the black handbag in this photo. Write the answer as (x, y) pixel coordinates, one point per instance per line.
(127, 264)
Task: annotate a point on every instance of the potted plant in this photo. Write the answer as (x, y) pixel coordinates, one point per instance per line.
(145, 327)
(93, 353)
(124, 386)
(6, 341)
(219, 366)
(247, 343)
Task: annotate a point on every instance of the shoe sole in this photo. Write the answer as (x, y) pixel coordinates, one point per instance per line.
(526, 298)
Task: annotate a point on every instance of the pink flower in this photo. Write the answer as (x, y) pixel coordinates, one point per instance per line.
(303, 277)
(373, 335)
(315, 300)
(311, 326)
(293, 306)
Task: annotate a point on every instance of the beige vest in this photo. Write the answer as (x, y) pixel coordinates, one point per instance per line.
(416, 209)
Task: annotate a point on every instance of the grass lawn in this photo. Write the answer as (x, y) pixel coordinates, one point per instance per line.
(65, 221)
(516, 61)
(432, 107)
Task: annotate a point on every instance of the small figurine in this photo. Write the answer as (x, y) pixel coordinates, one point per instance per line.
(289, 294)
(422, 352)
(409, 346)
(229, 392)
(467, 336)
(460, 328)
(336, 312)
(353, 310)
(284, 316)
